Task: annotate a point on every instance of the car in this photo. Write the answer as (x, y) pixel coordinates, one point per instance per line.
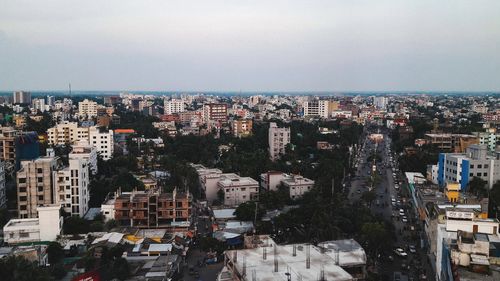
(401, 214)
(412, 249)
(404, 219)
(400, 252)
(359, 191)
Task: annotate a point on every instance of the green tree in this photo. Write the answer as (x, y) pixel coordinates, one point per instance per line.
(477, 186)
(19, 269)
(369, 196)
(246, 211)
(75, 225)
(55, 252)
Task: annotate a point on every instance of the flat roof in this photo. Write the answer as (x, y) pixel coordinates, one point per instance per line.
(224, 213)
(288, 263)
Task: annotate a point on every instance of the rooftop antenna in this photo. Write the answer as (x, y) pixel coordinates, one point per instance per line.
(294, 250)
(70, 90)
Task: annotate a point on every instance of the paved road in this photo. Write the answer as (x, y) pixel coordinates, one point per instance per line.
(385, 190)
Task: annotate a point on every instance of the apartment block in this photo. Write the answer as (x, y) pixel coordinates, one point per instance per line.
(173, 106)
(66, 133)
(34, 185)
(69, 133)
(216, 112)
(451, 142)
(490, 138)
(297, 185)
(84, 150)
(103, 141)
(152, 208)
(87, 109)
(242, 128)
(238, 189)
(21, 97)
(71, 187)
(3, 196)
(278, 139)
(462, 167)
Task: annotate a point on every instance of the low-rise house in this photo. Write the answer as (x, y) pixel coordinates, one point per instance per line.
(46, 227)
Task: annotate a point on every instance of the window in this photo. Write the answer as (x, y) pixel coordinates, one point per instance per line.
(24, 235)
(39, 170)
(472, 166)
(22, 180)
(22, 189)
(40, 197)
(486, 166)
(485, 174)
(22, 198)
(471, 174)
(478, 174)
(479, 166)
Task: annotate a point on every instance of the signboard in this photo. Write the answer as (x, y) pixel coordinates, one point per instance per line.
(459, 215)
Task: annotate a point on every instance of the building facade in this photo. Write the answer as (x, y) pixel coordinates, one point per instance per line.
(174, 106)
(71, 187)
(215, 112)
(87, 109)
(462, 167)
(34, 185)
(152, 208)
(21, 97)
(278, 139)
(242, 128)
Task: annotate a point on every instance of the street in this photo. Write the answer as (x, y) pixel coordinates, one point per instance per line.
(390, 204)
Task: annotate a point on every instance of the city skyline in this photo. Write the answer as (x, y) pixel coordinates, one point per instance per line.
(283, 46)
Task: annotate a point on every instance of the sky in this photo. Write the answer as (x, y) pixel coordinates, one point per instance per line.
(253, 45)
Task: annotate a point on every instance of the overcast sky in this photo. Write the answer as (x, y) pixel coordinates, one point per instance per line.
(254, 45)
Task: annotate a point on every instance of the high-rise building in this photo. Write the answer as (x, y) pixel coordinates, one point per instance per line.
(174, 106)
(87, 109)
(84, 150)
(316, 108)
(21, 97)
(70, 132)
(215, 112)
(3, 196)
(34, 185)
(39, 105)
(490, 138)
(380, 102)
(242, 128)
(278, 139)
(51, 100)
(71, 186)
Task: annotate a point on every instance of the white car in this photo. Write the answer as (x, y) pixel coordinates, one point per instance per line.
(400, 252)
(405, 220)
(412, 248)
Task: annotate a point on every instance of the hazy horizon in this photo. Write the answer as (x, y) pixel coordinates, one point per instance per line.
(251, 46)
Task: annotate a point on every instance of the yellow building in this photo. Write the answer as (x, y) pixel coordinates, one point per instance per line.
(452, 192)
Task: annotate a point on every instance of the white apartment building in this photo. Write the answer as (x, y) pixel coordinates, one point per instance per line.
(87, 109)
(69, 132)
(46, 227)
(316, 108)
(490, 138)
(278, 139)
(66, 132)
(380, 102)
(103, 141)
(463, 167)
(238, 189)
(71, 187)
(3, 196)
(297, 185)
(174, 106)
(84, 150)
(39, 105)
(271, 180)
